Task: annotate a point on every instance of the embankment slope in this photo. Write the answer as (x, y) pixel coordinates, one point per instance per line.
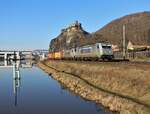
(122, 87)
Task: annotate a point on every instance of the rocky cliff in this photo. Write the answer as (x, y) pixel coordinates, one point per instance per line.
(69, 37)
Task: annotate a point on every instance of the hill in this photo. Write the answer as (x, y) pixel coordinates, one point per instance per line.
(137, 33)
(137, 29)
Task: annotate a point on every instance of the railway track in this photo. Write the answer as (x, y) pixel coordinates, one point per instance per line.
(116, 61)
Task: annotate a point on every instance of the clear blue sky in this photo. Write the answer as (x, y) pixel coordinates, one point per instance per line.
(31, 24)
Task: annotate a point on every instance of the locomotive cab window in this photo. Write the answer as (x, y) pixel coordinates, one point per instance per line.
(106, 47)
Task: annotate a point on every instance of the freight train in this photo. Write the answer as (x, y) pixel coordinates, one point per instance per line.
(97, 51)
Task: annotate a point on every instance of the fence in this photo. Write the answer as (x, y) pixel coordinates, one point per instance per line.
(132, 55)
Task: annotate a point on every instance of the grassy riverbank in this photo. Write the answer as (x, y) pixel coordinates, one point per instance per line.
(122, 87)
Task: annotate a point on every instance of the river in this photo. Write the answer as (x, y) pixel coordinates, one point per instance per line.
(26, 89)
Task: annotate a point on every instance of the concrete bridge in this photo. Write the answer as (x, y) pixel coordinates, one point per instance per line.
(15, 55)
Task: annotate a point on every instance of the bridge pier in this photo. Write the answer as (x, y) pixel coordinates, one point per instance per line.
(5, 56)
(18, 56)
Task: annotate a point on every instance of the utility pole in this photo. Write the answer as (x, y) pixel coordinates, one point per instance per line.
(124, 41)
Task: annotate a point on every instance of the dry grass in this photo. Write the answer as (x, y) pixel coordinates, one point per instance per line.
(127, 79)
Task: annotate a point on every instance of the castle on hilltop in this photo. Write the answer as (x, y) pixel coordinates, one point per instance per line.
(76, 26)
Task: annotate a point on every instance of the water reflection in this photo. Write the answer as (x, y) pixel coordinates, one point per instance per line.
(19, 64)
(16, 80)
(16, 65)
(34, 91)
